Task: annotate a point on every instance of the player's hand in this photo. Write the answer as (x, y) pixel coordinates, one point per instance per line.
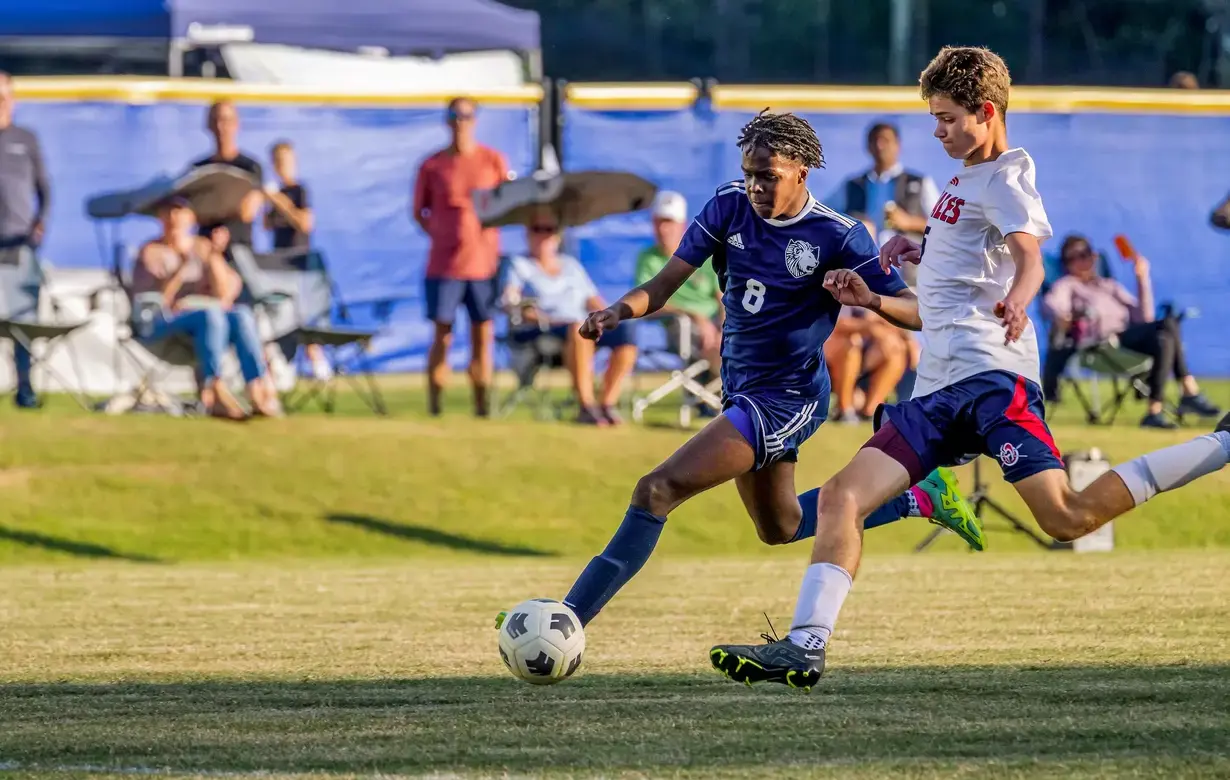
(1141, 267)
(1013, 317)
(848, 288)
(897, 251)
(597, 323)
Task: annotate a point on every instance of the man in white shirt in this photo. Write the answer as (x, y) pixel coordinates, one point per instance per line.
(978, 390)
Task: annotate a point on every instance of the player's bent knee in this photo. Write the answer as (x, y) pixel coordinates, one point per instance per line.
(778, 527)
(837, 498)
(1066, 523)
(658, 492)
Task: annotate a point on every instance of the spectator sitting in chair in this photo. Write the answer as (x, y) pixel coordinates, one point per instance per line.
(1098, 308)
(197, 291)
(864, 344)
(700, 297)
(554, 294)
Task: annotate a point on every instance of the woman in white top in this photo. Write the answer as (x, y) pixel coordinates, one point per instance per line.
(552, 293)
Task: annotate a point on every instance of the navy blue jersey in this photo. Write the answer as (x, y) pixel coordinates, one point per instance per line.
(778, 315)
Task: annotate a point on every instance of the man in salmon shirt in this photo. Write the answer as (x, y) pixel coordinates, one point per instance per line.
(461, 266)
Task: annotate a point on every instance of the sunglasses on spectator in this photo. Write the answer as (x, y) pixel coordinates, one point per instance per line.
(461, 116)
(544, 229)
(1079, 254)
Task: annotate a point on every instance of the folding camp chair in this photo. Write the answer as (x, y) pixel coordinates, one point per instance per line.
(21, 283)
(1088, 363)
(685, 378)
(152, 360)
(294, 292)
(528, 356)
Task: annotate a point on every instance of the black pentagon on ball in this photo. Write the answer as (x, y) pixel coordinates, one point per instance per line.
(504, 658)
(515, 625)
(563, 623)
(545, 601)
(542, 666)
(572, 667)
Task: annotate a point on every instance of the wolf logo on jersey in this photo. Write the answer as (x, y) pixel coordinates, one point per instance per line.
(801, 258)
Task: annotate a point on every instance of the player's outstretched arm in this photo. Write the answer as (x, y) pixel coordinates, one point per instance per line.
(850, 289)
(640, 301)
(1027, 255)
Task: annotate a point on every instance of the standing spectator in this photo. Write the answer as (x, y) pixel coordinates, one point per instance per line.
(289, 216)
(223, 125)
(462, 264)
(700, 297)
(895, 200)
(291, 221)
(25, 199)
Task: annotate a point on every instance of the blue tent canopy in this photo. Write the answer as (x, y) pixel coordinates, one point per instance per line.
(401, 26)
(85, 19)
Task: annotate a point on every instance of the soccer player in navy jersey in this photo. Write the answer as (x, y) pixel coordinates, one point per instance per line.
(978, 390)
(787, 265)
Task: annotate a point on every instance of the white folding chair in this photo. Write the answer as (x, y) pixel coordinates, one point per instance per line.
(685, 378)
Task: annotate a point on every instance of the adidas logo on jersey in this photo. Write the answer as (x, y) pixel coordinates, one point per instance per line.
(955, 181)
(736, 241)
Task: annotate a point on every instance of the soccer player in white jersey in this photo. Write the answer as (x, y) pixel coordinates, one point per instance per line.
(980, 266)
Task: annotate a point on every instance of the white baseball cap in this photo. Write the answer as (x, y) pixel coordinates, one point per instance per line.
(670, 206)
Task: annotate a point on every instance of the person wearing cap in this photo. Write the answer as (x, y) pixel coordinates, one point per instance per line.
(896, 200)
(700, 297)
(187, 279)
(464, 257)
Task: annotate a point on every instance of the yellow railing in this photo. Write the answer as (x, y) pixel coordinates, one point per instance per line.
(893, 99)
(142, 90)
(626, 96)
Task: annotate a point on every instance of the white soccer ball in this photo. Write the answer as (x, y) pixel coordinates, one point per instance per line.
(541, 641)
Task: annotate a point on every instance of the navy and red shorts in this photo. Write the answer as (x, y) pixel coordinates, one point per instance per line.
(995, 413)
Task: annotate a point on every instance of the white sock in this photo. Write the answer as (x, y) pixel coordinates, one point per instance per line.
(1175, 466)
(824, 589)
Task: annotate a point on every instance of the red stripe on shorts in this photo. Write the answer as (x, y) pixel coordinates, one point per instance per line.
(1020, 413)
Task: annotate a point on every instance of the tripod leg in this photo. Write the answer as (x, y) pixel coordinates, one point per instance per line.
(1017, 524)
(936, 533)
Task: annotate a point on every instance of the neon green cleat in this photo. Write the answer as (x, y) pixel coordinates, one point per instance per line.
(499, 620)
(951, 509)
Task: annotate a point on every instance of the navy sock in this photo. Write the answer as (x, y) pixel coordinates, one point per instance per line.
(891, 512)
(810, 502)
(623, 557)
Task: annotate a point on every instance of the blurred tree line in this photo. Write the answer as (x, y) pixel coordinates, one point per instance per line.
(1108, 42)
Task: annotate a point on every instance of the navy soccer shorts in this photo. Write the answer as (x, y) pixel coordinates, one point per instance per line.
(445, 296)
(776, 424)
(995, 413)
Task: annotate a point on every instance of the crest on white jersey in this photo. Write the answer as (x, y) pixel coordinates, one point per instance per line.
(801, 258)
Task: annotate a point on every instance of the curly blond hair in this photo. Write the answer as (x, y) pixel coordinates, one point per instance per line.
(970, 75)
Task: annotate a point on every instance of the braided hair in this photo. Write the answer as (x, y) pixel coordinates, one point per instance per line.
(785, 134)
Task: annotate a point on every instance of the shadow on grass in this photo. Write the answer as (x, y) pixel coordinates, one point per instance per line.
(865, 722)
(80, 549)
(417, 533)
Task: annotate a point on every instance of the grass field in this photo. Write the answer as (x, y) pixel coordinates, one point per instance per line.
(314, 596)
(946, 665)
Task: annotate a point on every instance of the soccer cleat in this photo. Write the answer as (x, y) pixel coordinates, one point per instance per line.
(950, 508)
(1224, 425)
(499, 620)
(780, 661)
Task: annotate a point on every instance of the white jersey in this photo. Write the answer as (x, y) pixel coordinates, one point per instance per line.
(966, 269)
